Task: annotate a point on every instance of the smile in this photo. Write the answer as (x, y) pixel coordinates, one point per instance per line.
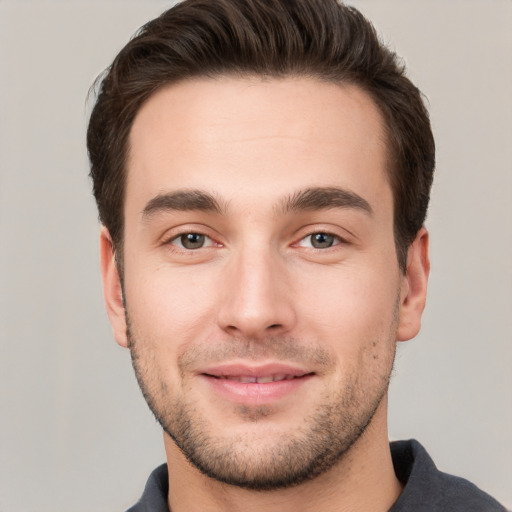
(255, 385)
(256, 380)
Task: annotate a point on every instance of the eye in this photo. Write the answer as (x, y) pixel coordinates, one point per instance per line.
(191, 241)
(320, 240)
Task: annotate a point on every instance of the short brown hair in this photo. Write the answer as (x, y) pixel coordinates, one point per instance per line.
(275, 38)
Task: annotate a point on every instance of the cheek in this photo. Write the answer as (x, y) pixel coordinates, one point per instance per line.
(356, 316)
(350, 303)
(170, 304)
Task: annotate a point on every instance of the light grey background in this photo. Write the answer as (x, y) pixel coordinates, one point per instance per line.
(75, 434)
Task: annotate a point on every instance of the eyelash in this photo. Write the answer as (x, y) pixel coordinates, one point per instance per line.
(179, 240)
(336, 240)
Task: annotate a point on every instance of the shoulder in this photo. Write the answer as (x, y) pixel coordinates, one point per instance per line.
(154, 497)
(428, 489)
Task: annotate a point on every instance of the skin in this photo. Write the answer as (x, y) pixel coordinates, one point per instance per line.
(260, 292)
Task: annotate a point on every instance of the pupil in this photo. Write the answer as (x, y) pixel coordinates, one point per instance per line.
(192, 240)
(322, 240)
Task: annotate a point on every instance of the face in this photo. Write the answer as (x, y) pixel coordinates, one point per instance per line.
(262, 293)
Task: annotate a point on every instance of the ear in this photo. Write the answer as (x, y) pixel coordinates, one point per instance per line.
(414, 287)
(112, 290)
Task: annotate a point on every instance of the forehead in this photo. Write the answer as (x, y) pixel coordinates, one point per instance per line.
(253, 136)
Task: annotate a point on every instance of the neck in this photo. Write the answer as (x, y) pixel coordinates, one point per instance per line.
(362, 480)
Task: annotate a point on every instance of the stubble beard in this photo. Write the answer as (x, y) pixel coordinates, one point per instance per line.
(323, 440)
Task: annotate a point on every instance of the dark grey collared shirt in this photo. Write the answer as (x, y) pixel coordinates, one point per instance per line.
(426, 489)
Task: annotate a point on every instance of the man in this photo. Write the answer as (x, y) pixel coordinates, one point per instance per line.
(262, 172)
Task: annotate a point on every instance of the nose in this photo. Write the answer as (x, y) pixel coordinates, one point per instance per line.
(256, 298)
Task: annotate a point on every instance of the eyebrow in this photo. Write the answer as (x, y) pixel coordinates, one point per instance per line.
(313, 198)
(182, 200)
(324, 198)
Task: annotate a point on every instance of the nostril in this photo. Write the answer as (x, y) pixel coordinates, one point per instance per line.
(274, 326)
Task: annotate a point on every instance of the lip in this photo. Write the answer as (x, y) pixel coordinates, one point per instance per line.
(255, 385)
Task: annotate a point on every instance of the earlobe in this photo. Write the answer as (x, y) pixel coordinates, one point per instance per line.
(112, 289)
(414, 287)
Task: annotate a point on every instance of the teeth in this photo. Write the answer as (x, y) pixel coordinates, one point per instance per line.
(268, 378)
(241, 378)
(260, 380)
(245, 378)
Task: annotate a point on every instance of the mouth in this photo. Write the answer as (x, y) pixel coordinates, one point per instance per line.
(256, 385)
(264, 379)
